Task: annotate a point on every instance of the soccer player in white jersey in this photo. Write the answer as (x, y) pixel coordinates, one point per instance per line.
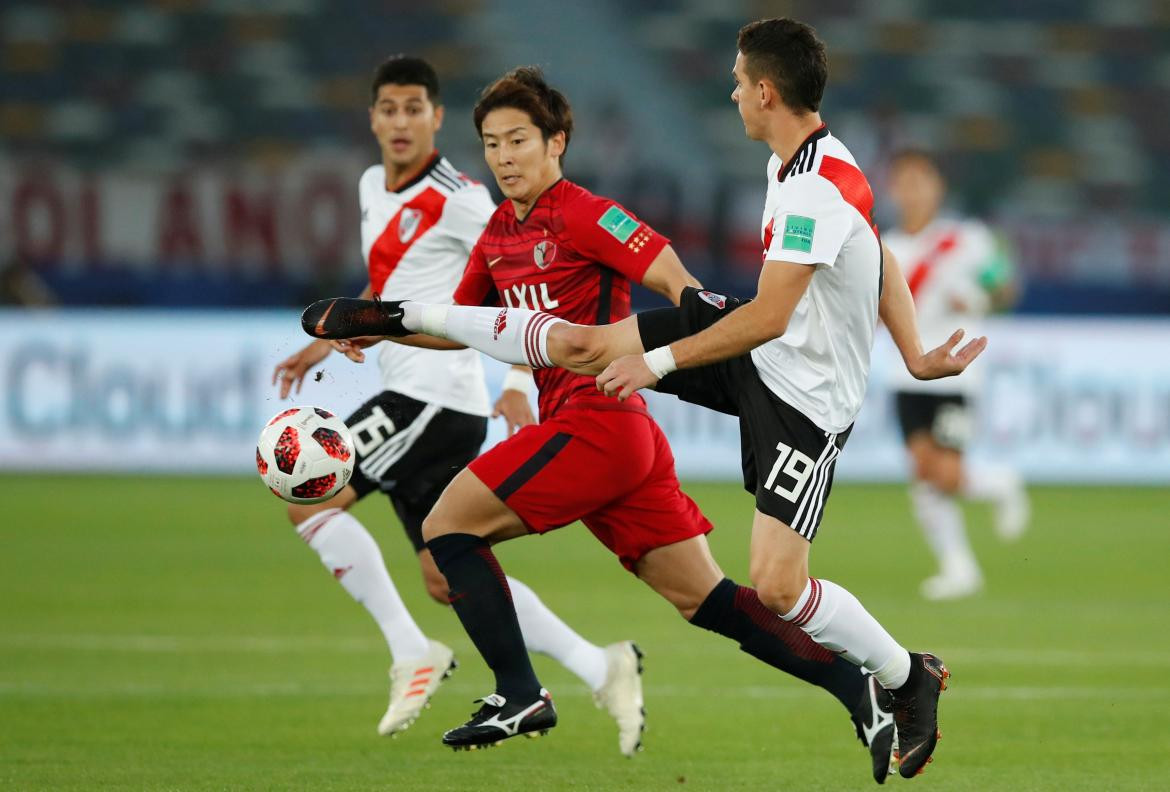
(420, 219)
(792, 363)
(957, 273)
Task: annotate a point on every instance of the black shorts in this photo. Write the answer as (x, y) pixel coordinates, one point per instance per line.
(411, 450)
(788, 461)
(946, 416)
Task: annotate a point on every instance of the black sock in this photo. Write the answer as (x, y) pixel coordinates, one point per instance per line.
(483, 602)
(736, 612)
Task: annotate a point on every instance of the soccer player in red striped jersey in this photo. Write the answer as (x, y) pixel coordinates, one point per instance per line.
(571, 255)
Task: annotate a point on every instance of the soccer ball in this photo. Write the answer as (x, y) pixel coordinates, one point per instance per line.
(305, 455)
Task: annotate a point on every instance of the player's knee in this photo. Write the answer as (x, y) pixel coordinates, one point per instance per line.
(948, 472)
(581, 347)
(299, 512)
(434, 524)
(779, 593)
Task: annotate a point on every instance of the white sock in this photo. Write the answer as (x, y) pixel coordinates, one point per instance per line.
(544, 632)
(513, 335)
(351, 554)
(942, 524)
(989, 482)
(834, 618)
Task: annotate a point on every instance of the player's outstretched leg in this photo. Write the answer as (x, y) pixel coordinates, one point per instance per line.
(349, 317)
(613, 673)
(352, 556)
(519, 336)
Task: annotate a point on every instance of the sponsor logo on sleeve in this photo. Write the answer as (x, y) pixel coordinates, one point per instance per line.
(619, 224)
(798, 233)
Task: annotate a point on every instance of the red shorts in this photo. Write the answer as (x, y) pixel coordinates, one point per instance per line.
(604, 463)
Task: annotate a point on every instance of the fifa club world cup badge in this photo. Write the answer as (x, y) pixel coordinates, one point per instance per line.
(408, 224)
(544, 253)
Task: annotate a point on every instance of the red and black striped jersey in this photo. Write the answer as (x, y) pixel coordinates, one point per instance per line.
(573, 256)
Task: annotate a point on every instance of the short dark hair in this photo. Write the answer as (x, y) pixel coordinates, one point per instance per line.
(524, 88)
(789, 54)
(405, 70)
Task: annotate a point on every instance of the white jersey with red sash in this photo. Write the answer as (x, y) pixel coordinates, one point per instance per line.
(416, 241)
(819, 213)
(942, 264)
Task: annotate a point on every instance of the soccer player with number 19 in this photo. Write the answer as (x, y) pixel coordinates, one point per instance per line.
(793, 363)
(572, 255)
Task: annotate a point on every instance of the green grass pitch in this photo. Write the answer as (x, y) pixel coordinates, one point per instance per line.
(167, 633)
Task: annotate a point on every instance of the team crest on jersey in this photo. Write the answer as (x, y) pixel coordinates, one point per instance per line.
(711, 298)
(408, 224)
(544, 253)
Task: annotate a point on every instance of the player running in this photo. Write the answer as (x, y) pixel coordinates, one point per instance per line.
(556, 247)
(420, 219)
(957, 274)
(792, 363)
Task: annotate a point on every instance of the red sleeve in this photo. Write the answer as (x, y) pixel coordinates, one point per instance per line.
(477, 286)
(608, 233)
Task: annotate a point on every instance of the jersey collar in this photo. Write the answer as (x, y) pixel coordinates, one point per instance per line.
(548, 190)
(432, 163)
(802, 159)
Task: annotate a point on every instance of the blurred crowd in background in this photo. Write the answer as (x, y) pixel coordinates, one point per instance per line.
(180, 153)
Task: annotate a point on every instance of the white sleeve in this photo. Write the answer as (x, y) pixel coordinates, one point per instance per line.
(368, 233)
(811, 225)
(466, 213)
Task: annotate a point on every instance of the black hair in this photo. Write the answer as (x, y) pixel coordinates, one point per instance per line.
(405, 70)
(789, 54)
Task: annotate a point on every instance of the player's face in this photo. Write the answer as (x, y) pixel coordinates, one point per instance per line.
(404, 120)
(746, 98)
(522, 161)
(917, 189)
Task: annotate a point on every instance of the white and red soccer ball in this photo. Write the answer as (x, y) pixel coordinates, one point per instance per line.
(305, 455)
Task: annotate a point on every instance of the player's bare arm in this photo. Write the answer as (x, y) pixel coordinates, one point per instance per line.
(781, 286)
(896, 309)
(667, 276)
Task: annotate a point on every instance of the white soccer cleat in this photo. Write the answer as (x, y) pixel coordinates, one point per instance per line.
(1012, 513)
(412, 683)
(952, 585)
(621, 695)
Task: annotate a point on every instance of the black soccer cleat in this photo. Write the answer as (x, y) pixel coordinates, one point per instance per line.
(916, 712)
(873, 717)
(347, 317)
(498, 719)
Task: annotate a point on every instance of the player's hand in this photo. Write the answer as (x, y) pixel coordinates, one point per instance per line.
(292, 370)
(515, 409)
(352, 347)
(943, 361)
(625, 376)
